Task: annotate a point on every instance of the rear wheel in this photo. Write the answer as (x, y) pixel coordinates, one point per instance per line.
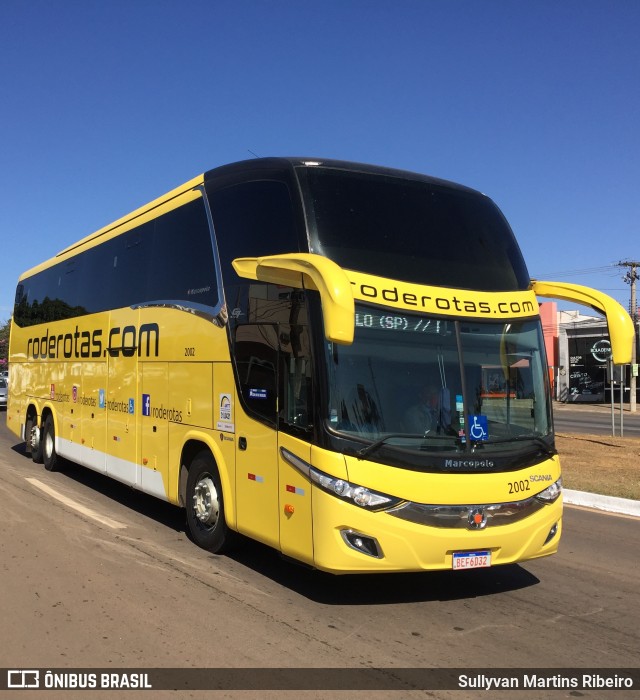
(205, 506)
(49, 455)
(33, 443)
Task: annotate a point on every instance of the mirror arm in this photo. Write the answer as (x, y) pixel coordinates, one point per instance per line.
(621, 331)
(310, 271)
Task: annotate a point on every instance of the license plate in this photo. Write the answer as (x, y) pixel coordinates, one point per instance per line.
(471, 560)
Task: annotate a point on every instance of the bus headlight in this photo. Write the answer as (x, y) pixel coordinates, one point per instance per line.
(551, 493)
(359, 495)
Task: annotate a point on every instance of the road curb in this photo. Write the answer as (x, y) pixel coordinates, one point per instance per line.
(610, 504)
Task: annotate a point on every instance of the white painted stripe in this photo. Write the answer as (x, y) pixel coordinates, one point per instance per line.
(135, 475)
(77, 506)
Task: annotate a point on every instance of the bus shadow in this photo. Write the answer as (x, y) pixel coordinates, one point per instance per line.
(380, 589)
(148, 506)
(317, 586)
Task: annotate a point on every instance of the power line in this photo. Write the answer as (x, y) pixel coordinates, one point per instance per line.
(606, 269)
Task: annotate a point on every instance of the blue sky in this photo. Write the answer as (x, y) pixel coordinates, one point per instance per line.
(109, 104)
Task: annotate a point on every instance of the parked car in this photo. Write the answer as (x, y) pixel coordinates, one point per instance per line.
(3, 392)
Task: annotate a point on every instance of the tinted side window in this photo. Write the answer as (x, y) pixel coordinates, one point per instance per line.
(51, 295)
(167, 259)
(122, 268)
(181, 264)
(256, 353)
(273, 363)
(250, 220)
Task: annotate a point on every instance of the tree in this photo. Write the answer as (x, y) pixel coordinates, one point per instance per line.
(4, 344)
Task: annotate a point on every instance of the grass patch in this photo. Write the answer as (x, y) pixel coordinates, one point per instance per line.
(609, 466)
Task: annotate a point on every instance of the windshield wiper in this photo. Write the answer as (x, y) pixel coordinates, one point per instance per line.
(365, 451)
(519, 438)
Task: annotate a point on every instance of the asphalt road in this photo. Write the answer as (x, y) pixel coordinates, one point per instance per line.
(94, 575)
(594, 419)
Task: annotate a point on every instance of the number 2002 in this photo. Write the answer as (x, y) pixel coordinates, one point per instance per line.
(519, 486)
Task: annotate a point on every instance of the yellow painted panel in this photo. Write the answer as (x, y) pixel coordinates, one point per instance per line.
(190, 394)
(154, 431)
(122, 406)
(225, 439)
(296, 524)
(71, 414)
(257, 480)
(92, 396)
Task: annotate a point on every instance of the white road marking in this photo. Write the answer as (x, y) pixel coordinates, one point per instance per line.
(77, 506)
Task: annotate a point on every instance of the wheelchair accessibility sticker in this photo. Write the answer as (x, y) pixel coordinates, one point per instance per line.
(479, 428)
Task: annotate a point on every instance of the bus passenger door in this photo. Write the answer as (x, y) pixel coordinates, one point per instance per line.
(256, 352)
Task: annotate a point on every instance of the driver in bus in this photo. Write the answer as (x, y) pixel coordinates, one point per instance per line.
(430, 414)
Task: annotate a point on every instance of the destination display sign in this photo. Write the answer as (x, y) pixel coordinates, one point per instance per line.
(400, 322)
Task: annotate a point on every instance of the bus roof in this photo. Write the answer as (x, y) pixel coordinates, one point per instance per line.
(255, 165)
(283, 163)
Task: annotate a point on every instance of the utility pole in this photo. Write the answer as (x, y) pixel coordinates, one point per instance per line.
(630, 278)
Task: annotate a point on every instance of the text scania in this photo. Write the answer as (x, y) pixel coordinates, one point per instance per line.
(83, 344)
(445, 304)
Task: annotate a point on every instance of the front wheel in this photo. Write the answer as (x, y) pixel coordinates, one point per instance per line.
(49, 454)
(205, 506)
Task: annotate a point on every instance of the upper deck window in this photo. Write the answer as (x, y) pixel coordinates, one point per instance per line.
(415, 230)
(168, 259)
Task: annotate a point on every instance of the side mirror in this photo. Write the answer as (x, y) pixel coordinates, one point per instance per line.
(620, 325)
(310, 271)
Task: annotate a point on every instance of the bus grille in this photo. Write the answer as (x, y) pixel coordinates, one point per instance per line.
(471, 517)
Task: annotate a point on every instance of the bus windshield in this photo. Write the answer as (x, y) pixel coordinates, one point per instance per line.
(422, 385)
(416, 230)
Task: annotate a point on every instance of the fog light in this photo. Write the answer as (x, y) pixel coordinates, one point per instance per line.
(362, 543)
(552, 533)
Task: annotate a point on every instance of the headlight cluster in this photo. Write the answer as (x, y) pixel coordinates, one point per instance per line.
(551, 493)
(359, 495)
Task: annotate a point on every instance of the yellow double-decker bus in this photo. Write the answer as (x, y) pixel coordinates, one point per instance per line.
(342, 361)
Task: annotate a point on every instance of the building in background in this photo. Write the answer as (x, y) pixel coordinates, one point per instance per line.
(578, 352)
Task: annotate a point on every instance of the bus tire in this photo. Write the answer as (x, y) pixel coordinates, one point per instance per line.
(205, 505)
(49, 455)
(33, 441)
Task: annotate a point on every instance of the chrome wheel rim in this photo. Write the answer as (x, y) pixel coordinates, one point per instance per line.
(206, 505)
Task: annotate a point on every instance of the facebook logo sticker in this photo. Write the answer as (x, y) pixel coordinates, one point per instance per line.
(146, 404)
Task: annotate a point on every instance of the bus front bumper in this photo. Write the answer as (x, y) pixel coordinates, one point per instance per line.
(348, 539)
